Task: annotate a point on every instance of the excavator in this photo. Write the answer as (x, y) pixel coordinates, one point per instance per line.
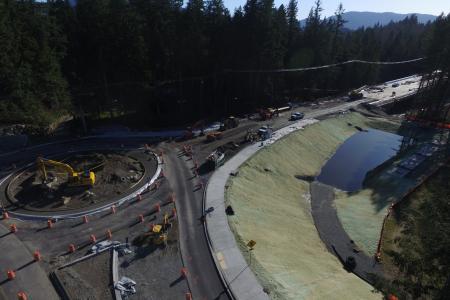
(86, 178)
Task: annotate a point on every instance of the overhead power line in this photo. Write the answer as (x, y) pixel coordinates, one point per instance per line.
(357, 61)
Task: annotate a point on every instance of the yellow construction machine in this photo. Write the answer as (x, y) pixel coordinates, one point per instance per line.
(74, 178)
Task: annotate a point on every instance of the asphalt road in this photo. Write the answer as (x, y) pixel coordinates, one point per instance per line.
(204, 280)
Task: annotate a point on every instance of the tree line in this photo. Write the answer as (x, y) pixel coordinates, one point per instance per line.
(169, 63)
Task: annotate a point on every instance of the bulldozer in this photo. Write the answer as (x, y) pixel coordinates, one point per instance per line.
(86, 178)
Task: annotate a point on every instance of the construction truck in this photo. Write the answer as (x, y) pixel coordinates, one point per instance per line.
(215, 159)
(214, 136)
(356, 94)
(266, 113)
(86, 178)
(230, 123)
(269, 113)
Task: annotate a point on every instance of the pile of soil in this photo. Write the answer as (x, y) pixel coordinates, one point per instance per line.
(115, 174)
(89, 279)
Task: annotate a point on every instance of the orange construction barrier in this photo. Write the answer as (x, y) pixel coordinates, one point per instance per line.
(188, 296)
(11, 274)
(184, 272)
(13, 228)
(85, 219)
(72, 248)
(37, 255)
(49, 223)
(109, 234)
(5, 215)
(113, 209)
(22, 296)
(93, 239)
(141, 218)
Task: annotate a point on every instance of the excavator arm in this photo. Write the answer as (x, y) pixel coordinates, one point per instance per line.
(75, 178)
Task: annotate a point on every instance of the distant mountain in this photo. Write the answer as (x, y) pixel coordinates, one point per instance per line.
(357, 19)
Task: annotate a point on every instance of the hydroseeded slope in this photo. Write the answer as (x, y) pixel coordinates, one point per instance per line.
(272, 207)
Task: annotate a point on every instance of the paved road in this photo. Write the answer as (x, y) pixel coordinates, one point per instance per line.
(30, 277)
(204, 280)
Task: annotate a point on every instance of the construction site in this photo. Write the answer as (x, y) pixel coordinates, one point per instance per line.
(215, 204)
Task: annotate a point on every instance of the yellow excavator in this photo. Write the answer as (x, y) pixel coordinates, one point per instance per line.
(74, 178)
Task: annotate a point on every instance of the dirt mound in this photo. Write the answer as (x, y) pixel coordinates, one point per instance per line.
(115, 173)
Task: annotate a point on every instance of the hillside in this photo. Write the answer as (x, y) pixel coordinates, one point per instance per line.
(357, 19)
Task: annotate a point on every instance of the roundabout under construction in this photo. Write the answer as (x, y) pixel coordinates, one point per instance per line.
(84, 182)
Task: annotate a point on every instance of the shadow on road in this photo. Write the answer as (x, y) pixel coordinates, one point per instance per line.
(25, 265)
(176, 281)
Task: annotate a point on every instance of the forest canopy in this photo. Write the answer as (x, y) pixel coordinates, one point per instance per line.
(171, 62)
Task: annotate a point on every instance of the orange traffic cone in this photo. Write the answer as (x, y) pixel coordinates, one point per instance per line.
(93, 239)
(11, 274)
(184, 272)
(72, 248)
(13, 228)
(37, 255)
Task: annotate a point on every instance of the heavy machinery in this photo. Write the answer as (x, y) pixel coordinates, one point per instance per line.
(230, 123)
(356, 94)
(251, 136)
(215, 159)
(86, 178)
(269, 113)
(214, 136)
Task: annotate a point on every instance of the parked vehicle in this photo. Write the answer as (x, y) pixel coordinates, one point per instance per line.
(297, 116)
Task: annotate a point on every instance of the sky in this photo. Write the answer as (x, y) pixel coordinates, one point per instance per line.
(432, 7)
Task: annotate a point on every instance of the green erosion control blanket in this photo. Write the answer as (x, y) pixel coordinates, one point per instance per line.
(272, 207)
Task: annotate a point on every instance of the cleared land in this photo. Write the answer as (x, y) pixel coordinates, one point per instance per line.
(273, 208)
(414, 233)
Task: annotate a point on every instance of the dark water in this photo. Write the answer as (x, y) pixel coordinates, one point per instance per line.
(356, 156)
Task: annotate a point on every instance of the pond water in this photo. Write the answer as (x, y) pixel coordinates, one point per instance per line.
(359, 154)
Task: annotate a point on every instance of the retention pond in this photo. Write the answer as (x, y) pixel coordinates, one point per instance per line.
(359, 154)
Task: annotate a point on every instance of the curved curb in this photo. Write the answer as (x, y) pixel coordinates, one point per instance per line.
(238, 277)
(103, 208)
(208, 239)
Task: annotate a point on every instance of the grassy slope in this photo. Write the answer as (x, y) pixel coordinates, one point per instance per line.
(406, 212)
(273, 208)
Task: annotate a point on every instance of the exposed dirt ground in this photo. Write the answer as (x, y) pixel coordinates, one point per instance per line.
(115, 174)
(89, 279)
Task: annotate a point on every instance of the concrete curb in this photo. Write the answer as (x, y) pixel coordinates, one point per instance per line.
(208, 239)
(115, 273)
(108, 206)
(226, 253)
